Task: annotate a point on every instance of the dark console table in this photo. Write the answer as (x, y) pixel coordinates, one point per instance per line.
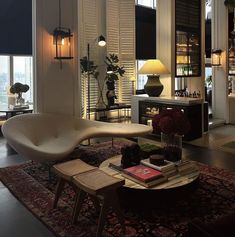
(193, 113)
(101, 113)
(145, 107)
(12, 112)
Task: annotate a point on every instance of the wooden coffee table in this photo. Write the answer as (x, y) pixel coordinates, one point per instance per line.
(176, 181)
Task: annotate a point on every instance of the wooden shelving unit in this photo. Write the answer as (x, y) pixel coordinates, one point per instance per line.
(187, 38)
(147, 109)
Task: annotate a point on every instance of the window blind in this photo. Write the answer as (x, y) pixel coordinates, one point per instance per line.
(16, 27)
(145, 33)
(121, 41)
(88, 34)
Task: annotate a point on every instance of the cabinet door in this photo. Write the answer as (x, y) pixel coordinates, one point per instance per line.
(188, 38)
(147, 109)
(231, 51)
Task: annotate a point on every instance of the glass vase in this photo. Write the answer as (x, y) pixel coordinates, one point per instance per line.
(19, 99)
(172, 146)
(100, 102)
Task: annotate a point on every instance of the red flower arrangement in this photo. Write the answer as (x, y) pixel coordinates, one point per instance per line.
(171, 121)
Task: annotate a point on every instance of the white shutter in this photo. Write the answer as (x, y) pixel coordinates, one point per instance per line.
(120, 23)
(112, 26)
(126, 85)
(88, 33)
(127, 29)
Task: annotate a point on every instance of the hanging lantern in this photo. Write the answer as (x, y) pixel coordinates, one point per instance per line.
(216, 57)
(62, 40)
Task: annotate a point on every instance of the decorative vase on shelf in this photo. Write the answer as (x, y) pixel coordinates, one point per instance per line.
(19, 88)
(19, 99)
(100, 102)
(110, 94)
(172, 146)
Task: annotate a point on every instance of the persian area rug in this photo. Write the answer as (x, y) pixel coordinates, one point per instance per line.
(213, 198)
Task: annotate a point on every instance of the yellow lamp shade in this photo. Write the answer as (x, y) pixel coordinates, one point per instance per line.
(153, 66)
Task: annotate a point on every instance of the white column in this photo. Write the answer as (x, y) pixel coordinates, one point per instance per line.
(219, 38)
(165, 24)
(56, 89)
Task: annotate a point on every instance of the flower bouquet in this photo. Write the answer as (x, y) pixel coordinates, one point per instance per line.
(172, 124)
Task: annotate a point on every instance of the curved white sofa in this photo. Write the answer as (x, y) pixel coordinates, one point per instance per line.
(51, 137)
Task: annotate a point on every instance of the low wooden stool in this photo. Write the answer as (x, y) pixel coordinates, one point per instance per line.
(103, 187)
(66, 171)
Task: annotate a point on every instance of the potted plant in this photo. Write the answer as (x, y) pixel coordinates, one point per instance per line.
(172, 124)
(113, 73)
(230, 4)
(92, 69)
(19, 88)
(89, 66)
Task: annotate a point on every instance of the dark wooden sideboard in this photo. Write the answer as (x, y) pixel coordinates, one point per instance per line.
(147, 109)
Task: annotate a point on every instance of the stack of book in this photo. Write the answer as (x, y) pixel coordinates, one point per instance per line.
(186, 167)
(144, 175)
(168, 169)
(22, 106)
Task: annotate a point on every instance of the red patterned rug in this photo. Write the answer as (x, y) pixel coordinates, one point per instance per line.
(213, 197)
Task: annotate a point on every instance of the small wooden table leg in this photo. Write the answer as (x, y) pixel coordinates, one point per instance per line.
(103, 213)
(80, 196)
(110, 199)
(117, 209)
(96, 203)
(59, 188)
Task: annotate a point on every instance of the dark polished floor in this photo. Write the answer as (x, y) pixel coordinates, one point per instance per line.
(211, 157)
(17, 221)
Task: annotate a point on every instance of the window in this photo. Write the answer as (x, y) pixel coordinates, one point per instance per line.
(208, 9)
(15, 69)
(4, 78)
(141, 79)
(146, 3)
(208, 77)
(23, 73)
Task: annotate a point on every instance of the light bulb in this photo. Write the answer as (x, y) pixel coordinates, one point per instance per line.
(101, 41)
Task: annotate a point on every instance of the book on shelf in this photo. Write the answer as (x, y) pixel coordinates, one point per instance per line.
(146, 184)
(170, 173)
(185, 167)
(168, 165)
(143, 173)
(25, 106)
(116, 166)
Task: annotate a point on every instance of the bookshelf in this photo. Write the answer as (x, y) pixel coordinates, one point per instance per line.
(187, 38)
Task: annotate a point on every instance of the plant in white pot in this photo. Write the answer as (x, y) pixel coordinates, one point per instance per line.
(19, 88)
(230, 4)
(91, 68)
(112, 75)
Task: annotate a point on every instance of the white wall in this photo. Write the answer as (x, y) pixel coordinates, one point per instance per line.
(165, 42)
(56, 90)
